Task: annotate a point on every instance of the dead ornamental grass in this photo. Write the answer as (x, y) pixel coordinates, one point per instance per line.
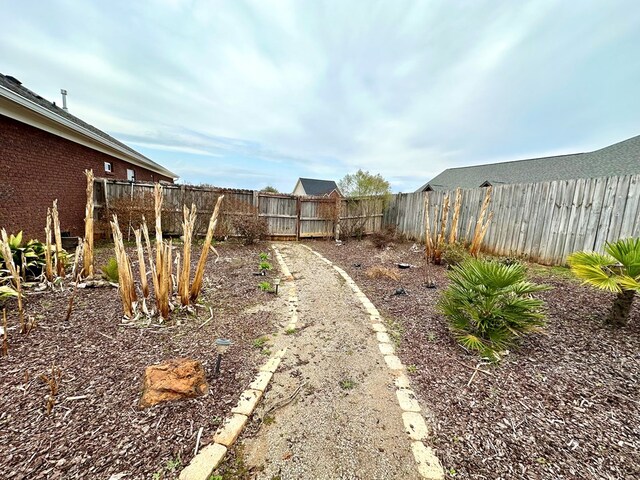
(87, 246)
(126, 286)
(379, 271)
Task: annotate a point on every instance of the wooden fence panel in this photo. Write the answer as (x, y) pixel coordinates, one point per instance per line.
(545, 221)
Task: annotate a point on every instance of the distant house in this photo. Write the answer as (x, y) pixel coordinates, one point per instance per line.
(312, 187)
(44, 151)
(621, 158)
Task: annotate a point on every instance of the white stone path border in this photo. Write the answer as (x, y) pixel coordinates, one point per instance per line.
(428, 464)
(207, 460)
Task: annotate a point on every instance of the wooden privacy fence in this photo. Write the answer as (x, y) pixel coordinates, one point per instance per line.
(286, 216)
(543, 221)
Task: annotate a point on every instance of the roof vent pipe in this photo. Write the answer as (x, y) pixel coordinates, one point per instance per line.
(64, 99)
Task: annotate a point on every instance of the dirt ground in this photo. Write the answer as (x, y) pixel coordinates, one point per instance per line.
(564, 405)
(102, 432)
(345, 422)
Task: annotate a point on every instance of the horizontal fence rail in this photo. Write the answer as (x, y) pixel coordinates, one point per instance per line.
(543, 221)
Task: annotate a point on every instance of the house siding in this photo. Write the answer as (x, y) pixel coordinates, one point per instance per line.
(37, 167)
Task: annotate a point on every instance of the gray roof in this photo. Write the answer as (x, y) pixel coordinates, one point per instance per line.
(16, 86)
(314, 186)
(621, 158)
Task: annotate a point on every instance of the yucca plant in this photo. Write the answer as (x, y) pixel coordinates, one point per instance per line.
(490, 305)
(617, 270)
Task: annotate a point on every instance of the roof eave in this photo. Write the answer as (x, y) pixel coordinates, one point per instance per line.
(71, 131)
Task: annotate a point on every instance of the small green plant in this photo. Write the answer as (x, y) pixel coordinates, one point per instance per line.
(412, 369)
(7, 291)
(347, 384)
(260, 342)
(264, 265)
(110, 270)
(290, 331)
(174, 464)
(29, 258)
(269, 419)
(490, 305)
(157, 475)
(263, 256)
(215, 477)
(264, 286)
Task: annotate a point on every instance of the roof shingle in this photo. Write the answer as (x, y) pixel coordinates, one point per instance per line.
(621, 158)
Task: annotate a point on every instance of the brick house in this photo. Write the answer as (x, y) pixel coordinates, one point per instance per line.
(44, 151)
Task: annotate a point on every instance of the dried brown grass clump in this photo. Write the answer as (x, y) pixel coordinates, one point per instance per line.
(196, 287)
(48, 270)
(141, 263)
(481, 224)
(60, 261)
(125, 275)
(184, 274)
(453, 233)
(87, 248)
(382, 272)
(436, 241)
(15, 276)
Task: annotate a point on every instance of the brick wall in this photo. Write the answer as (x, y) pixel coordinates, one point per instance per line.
(37, 167)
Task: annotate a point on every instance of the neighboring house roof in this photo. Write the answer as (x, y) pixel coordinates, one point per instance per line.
(43, 114)
(621, 158)
(315, 187)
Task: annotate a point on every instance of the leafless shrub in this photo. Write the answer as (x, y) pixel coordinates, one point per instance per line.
(131, 210)
(383, 238)
(53, 382)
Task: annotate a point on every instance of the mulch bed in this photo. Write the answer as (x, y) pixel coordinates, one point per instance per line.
(104, 434)
(563, 405)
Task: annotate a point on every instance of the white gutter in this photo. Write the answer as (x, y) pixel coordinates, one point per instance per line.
(87, 137)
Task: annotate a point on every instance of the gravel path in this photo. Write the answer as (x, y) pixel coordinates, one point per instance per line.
(345, 422)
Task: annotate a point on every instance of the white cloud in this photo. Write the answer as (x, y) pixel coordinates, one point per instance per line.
(322, 88)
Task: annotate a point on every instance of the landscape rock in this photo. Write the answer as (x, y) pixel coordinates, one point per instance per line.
(177, 379)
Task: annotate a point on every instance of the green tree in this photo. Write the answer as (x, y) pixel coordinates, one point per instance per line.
(270, 189)
(367, 196)
(364, 184)
(617, 270)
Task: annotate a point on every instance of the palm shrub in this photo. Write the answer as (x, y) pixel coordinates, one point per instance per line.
(490, 305)
(617, 270)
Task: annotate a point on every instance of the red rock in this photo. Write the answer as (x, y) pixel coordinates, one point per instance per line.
(177, 379)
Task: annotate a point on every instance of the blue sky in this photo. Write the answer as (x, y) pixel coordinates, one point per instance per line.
(250, 93)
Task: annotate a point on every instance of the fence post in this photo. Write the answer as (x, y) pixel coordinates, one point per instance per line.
(298, 210)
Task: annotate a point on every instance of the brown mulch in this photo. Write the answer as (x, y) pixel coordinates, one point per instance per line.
(562, 405)
(104, 433)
